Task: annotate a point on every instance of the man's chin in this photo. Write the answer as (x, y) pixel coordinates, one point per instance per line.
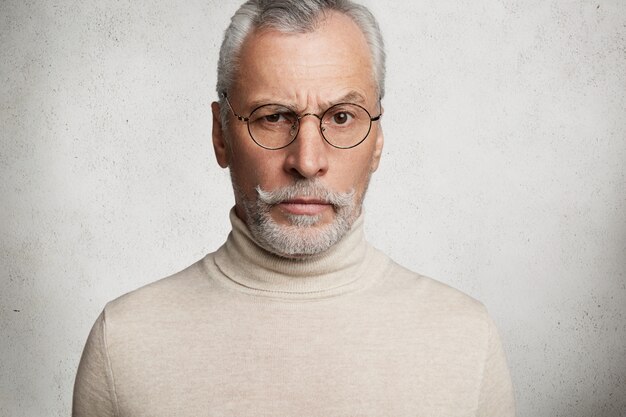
(307, 221)
(297, 236)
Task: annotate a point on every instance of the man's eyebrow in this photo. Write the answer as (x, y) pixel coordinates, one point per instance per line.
(264, 101)
(350, 97)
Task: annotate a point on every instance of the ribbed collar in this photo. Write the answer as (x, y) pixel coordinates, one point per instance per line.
(341, 268)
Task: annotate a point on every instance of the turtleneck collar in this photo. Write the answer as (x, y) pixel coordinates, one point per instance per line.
(343, 267)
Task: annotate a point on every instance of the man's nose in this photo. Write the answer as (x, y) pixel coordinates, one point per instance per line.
(307, 155)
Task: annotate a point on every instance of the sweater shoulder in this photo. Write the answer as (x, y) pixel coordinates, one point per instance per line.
(164, 295)
(431, 294)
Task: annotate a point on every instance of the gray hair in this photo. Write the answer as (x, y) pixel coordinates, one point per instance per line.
(292, 16)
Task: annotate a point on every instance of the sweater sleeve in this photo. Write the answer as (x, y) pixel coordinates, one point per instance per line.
(496, 391)
(94, 391)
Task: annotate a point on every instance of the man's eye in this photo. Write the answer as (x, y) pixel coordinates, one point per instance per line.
(273, 118)
(341, 117)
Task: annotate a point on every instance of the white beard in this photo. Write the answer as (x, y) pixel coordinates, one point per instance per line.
(304, 236)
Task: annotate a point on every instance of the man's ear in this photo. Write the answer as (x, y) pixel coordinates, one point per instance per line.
(222, 151)
(378, 148)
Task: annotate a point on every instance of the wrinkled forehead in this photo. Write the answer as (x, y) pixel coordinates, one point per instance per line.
(334, 57)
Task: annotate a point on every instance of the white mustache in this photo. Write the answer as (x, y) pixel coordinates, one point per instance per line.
(306, 188)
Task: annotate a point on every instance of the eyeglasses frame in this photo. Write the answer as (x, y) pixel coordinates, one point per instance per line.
(300, 117)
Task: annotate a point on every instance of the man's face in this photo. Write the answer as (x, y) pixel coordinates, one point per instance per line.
(308, 72)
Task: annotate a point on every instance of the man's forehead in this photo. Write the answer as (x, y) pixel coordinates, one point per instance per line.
(306, 71)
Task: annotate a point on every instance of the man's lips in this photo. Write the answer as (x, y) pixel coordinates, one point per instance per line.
(304, 206)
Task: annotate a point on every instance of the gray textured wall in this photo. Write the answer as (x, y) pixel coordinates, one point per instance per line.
(503, 175)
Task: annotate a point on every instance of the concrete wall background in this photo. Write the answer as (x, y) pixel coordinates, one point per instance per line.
(503, 175)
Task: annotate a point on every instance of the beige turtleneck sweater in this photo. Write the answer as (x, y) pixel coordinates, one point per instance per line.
(244, 333)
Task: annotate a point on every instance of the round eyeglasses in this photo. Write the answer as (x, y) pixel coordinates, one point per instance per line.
(274, 126)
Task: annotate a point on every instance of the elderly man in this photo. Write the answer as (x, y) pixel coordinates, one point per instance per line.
(296, 314)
